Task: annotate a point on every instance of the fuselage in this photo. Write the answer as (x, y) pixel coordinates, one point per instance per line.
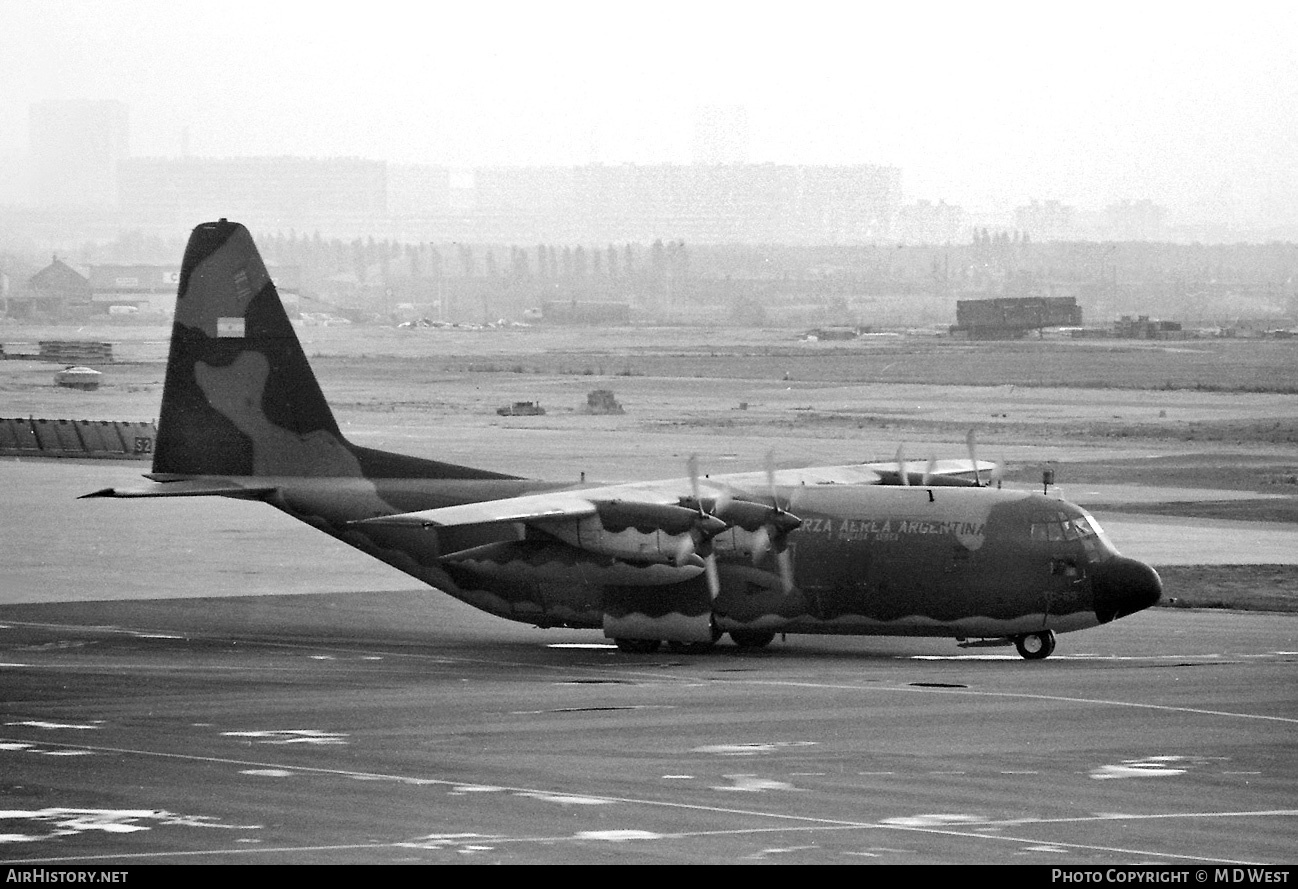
(963, 562)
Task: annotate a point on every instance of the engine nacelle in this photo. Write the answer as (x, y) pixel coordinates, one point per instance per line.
(641, 533)
(554, 561)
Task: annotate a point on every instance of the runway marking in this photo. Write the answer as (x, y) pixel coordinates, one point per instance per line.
(629, 835)
(32, 748)
(933, 820)
(753, 784)
(72, 821)
(618, 836)
(761, 856)
(36, 723)
(291, 736)
(63, 752)
(439, 841)
(752, 749)
(566, 799)
(1135, 768)
(785, 683)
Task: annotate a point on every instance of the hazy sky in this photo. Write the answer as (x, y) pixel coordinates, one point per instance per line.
(983, 104)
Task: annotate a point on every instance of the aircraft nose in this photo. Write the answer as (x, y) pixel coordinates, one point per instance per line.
(1123, 586)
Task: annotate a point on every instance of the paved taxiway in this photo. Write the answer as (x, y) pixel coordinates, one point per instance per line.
(377, 722)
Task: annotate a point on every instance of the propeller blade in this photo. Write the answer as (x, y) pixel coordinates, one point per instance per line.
(786, 570)
(693, 466)
(997, 474)
(930, 471)
(970, 441)
(714, 578)
(723, 501)
(685, 549)
(901, 466)
(761, 543)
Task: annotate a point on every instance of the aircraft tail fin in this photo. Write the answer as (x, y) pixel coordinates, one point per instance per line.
(240, 398)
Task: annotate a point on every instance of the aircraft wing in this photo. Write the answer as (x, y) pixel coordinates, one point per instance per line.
(937, 467)
(530, 507)
(660, 505)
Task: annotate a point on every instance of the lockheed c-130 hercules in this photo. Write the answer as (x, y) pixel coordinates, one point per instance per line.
(891, 548)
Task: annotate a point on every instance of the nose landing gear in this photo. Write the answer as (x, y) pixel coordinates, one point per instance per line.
(1035, 646)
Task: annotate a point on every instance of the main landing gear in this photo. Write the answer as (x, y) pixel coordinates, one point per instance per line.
(649, 646)
(1035, 646)
(750, 639)
(638, 646)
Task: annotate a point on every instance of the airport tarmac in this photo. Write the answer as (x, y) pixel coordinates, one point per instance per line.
(186, 710)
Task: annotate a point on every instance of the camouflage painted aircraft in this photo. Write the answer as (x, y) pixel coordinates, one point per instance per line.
(891, 548)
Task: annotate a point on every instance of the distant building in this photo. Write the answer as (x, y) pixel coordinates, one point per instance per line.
(418, 190)
(1137, 220)
(927, 223)
(151, 289)
(76, 147)
(337, 195)
(696, 203)
(1145, 328)
(724, 203)
(143, 289)
(1009, 318)
(52, 292)
(1046, 221)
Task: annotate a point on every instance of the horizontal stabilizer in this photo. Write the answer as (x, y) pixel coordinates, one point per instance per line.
(189, 487)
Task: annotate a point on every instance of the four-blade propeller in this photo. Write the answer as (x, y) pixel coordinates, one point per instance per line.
(769, 525)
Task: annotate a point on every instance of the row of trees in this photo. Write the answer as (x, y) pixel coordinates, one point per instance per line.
(1172, 281)
(367, 259)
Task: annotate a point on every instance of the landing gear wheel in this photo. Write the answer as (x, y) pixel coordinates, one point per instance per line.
(690, 647)
(751, 638)
(1036, 646)
(638, 646)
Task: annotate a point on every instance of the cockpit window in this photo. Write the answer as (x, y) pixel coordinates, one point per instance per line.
(1066, 528)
